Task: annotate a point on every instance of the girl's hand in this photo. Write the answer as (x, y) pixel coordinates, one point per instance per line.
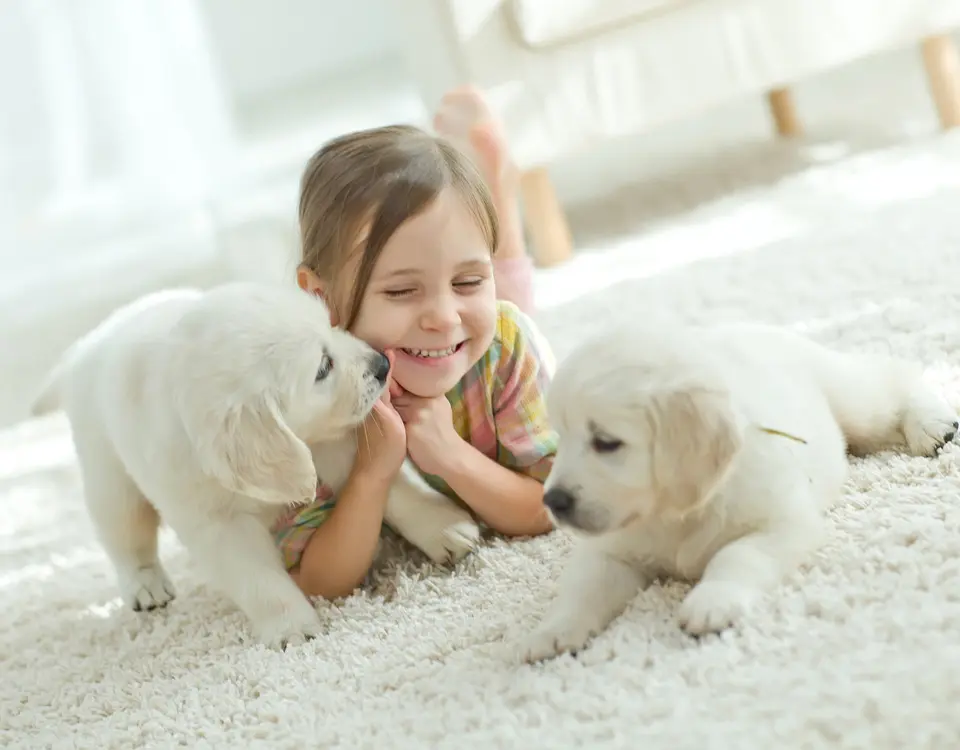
(431, 439)
(382, 439)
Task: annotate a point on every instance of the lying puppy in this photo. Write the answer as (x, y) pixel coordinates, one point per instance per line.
(710, 455)
(198, 408)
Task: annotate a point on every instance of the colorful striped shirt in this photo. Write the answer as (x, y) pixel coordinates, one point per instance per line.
(498, 407)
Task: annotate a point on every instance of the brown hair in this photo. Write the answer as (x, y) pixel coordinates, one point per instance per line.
(373, 181)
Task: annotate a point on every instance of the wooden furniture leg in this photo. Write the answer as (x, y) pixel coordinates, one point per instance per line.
(545, 219)
(784, 112)
(942, 63)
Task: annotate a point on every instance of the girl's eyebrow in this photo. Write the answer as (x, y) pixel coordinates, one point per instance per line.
(474, 263)
(401, 272)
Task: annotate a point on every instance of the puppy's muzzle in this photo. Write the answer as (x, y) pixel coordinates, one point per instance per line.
(379, 367)
(561, 503)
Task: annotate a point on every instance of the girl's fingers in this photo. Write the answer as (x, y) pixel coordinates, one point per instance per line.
(403, 411)
(407, 401)
(394, 388)
(384, 408)
(386, 414)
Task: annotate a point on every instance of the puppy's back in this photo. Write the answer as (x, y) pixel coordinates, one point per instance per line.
(148, 317)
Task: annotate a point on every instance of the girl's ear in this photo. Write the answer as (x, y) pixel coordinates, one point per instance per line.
(311, 284)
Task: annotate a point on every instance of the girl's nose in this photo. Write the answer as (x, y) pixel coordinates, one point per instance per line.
(441, 313)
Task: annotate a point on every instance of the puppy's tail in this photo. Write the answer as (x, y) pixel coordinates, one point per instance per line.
(48, 399)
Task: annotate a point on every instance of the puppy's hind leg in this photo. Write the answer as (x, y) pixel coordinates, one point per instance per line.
(126, 525)
(928, 422)
(882, 402)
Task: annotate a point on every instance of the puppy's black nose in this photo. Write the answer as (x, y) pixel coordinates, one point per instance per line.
(380, 367)
(559, 501)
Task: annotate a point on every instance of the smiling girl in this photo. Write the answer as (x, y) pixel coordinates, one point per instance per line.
(399, 233)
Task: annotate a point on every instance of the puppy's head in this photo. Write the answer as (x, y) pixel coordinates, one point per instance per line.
(646, 430)
(257, 372)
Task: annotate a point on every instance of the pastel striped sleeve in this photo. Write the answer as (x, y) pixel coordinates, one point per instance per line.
(292, 531)
(525, 440)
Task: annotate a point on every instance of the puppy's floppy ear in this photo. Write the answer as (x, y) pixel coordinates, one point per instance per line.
(696, 436)
(249, 449)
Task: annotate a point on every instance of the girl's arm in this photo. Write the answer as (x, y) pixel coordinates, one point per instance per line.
(341, 549)
(508, 493)
(340, 552)
(507, 501)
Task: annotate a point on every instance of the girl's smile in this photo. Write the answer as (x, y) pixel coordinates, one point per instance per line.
(439, 358)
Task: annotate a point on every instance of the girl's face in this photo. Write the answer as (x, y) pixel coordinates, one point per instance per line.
(431, 298)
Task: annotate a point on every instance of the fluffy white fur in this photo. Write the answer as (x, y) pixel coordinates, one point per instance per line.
(209, 410)
(710, 454)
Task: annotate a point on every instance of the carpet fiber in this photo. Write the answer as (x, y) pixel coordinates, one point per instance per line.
(859, 649)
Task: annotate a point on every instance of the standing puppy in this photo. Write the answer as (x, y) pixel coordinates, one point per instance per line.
(710, 454)
(215, 411)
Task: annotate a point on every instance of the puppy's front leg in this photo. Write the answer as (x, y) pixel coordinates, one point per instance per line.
(594, 588)
(241, 559)
(744, 570)
(429, 520)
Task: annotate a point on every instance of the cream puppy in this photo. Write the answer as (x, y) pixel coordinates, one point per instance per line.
(710, 454)
(215, 411)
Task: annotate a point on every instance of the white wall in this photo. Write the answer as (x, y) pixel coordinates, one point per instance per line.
(66, 278)
(24, 131)
(264, 45)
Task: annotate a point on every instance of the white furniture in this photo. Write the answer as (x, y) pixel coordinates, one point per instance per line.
(565, 74)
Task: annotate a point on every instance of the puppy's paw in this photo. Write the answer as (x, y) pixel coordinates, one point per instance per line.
(447, 535)
(146, 588)
(713, 606)
(462, 538)
(553, 638)
(290, 629)
(929, 423)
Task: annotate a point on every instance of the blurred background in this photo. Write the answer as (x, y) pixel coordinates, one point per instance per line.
(150, 143)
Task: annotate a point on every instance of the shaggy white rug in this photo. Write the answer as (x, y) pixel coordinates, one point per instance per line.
(861, 649)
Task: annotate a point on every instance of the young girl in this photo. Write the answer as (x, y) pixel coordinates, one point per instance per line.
(398, 232)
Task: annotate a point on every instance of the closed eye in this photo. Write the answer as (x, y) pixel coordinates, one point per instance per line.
(326, 366)
(605, 444)
(399, 293)
(468, 284)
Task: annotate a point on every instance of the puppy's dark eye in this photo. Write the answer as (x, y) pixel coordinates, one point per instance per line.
(326, 365)
(604, 444)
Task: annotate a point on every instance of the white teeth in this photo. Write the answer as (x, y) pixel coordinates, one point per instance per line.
(432, 353)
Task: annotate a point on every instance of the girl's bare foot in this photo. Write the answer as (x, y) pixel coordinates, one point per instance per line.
(465, 119)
